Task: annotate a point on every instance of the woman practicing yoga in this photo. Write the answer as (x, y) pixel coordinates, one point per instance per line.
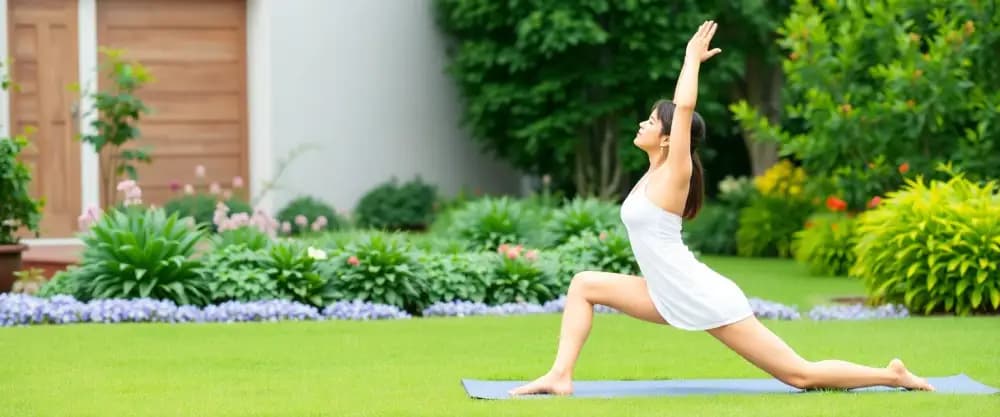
(677, 289)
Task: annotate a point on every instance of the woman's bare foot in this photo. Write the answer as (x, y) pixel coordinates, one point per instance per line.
(908, 380)
(550, 383)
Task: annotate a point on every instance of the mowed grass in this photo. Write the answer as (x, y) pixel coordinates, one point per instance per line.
(414, 367)
(784, 281)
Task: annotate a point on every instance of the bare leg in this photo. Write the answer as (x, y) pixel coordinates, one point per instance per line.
(624, 293)
(757, 344)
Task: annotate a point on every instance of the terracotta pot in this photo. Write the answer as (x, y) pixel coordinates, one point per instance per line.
(10, 262)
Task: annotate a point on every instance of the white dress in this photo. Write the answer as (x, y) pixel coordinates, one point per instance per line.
(687, 293)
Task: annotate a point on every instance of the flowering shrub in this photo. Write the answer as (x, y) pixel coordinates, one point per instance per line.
(203, 205)
(296, 272)
(826, 244)
(858, 312)
(516, 275)
(775, 213)
(380, 268)
(20, 309)
(307, 214)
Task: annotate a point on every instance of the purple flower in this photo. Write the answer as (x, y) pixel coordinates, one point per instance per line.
(362, 310)
(858, 312)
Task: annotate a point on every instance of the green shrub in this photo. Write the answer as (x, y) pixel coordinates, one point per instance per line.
(434, 243)
(380, 268)
(933, 247)
(235, 272)
(911, 81)
(777, 210)
(518, 275)
(394, 206)
(248, 236)
(487, 223)
(456, 276)
(580, 215)
(767, 227)
(608, 251)
(295, 269)
(826, 244)
(141, 253)
(62, 283)
(201, 207)
(737, 192)
(714, 230)
(316, 216)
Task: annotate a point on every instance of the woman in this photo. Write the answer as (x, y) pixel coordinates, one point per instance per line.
(677, 290)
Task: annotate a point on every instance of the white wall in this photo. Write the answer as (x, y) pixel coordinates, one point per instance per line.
(365, 80)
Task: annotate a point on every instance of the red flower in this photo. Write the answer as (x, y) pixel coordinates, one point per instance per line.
(353, 261)
(531, 255)
(836, 204)
(904, 168)
(875, 201)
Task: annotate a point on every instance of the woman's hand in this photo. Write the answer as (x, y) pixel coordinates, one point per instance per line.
(697, 47)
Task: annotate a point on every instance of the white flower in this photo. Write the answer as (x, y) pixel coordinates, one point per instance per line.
(316, 253)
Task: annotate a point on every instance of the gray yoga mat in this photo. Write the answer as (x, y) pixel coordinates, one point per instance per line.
(497, 390)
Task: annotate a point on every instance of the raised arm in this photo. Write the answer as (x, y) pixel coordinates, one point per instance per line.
(685, 97)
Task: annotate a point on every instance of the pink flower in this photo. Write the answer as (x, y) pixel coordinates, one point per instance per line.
(188, 189)
(89, 216)
(531, 255)
(237, 182)
(512, 254)
(503, 248)
(227, 194)
(240, 219)
(175, 186)
(321, 220)
(215, 188)
(301, 220)
(603, 236)
(126, 185)
(286, 227)
(199, 171)
(353, 261)
(133, 193)
(317, 227)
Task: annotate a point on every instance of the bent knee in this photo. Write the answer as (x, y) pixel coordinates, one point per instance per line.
(583, 282)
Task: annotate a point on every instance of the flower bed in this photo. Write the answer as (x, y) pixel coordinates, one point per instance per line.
(20, 309)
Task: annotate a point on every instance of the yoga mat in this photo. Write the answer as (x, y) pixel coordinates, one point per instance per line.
(497, 390)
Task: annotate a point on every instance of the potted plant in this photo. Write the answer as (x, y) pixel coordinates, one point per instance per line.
(17, 208)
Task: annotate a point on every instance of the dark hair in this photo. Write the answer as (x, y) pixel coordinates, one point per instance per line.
(696, 193)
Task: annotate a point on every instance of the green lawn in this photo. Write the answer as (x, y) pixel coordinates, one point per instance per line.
(784, 281)
(414, 367)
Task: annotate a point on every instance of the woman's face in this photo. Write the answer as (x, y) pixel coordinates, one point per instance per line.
(650, 137)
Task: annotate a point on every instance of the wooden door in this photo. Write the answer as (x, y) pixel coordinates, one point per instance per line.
(196, 52)
(42, 38)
